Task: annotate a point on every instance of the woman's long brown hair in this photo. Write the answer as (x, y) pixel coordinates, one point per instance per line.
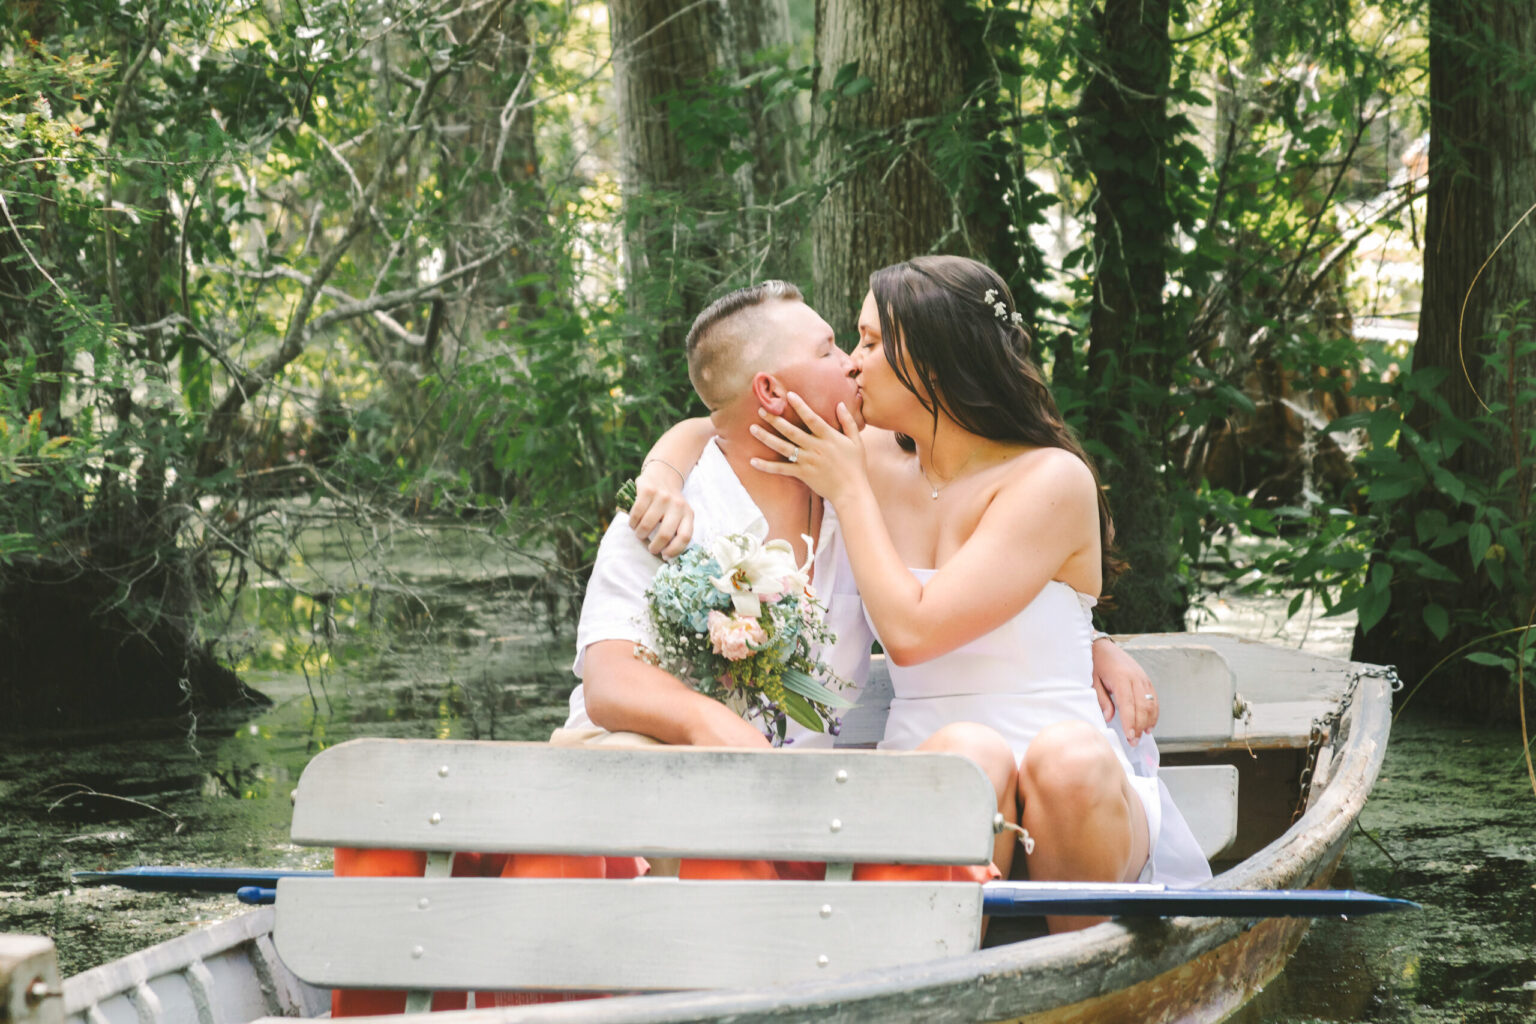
(969, 358)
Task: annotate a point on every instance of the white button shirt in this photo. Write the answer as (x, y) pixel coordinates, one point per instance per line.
(614, 607)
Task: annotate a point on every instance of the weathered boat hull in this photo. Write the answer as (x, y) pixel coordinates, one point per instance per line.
(1177, 969)
(223, 974)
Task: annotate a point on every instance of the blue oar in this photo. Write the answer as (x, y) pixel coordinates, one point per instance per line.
(164, 879)
(1030, 899)
(1000, 899)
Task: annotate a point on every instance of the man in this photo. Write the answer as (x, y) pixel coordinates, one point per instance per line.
(746, 352)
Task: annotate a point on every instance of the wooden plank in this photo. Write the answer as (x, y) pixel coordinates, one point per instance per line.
(1195, 688)
(1282, 690)
(530, 797)
(1278, 725)
(864, 723)
(1265, 672)
(592, 935)
(1207, 797)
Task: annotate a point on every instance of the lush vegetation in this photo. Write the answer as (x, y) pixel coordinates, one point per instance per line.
(264, 262)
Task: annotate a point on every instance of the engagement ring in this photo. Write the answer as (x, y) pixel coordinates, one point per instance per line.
(794, 456)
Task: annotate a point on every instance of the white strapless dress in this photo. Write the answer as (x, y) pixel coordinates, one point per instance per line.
(1033, 671)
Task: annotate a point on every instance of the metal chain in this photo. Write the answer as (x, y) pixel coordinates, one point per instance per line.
(1323, 728)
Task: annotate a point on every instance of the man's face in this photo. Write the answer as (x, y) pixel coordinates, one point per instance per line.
(810, 363)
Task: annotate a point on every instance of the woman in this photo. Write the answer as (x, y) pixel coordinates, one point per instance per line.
(979, 538)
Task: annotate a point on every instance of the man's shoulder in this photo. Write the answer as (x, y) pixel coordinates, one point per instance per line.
(720, 500)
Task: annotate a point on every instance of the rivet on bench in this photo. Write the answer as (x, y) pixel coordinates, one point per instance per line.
(417, 952)
(443, 772)
(837, 824)
(842, 775)
(823, 960)
(423, 903)
(434, 818)
(826, 910)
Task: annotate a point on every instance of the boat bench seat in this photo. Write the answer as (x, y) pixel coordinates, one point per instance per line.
(437, 932)
(1197, 693)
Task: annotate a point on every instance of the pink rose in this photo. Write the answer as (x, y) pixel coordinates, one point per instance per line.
(731, 636)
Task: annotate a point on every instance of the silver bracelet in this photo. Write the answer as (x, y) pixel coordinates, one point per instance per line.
(1100, 635)
(669, 465)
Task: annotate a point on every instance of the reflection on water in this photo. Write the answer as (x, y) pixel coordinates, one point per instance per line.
(455, 647)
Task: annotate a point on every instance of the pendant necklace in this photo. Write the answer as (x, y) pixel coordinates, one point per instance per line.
(933, 488)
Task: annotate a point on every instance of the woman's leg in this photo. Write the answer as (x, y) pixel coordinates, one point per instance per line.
(1085, 819)
(987, 748)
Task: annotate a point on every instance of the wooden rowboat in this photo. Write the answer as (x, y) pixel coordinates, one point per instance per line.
(1305, 734)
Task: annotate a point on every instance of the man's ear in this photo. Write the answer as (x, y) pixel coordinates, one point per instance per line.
(770, 393)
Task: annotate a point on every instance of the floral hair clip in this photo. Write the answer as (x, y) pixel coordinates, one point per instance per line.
(1000, 309)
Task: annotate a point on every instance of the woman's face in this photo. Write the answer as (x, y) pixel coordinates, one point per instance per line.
(886, 401)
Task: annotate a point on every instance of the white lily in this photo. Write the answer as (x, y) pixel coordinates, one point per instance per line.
(754, 571)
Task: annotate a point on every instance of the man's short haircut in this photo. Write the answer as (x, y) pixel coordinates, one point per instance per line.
(724, 345)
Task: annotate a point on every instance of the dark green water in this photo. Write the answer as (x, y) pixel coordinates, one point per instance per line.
(1451, 824)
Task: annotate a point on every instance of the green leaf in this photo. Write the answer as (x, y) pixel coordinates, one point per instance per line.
(1373, 607)
(1384, 424)
(1428, 523)
(799, 709)
(1450, 485)
(1490, 659)
(845, 74)
(1438, 620)
(1478, 539)
(796, 681)
(1495, 570)
(1392, 490)
(1427, 567)
(1376, 596)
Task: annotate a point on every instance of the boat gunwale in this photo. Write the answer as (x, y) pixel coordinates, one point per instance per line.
(88, 988)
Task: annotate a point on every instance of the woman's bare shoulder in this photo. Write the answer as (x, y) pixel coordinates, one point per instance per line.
(1053, 471)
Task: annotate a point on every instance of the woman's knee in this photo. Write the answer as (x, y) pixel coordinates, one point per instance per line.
(1070, 761)
(981, 744)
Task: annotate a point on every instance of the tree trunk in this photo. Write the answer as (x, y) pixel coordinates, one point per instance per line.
(1125, 133)
(777, 164)
(1482, 181)
(885, 202)
(661, 49)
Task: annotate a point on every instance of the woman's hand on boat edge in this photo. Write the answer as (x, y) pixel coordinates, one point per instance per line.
(1120, 682)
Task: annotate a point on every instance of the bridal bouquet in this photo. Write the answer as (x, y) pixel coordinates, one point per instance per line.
(738, 620)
